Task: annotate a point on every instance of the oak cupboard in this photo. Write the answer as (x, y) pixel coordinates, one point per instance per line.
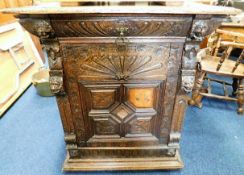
(120, 75)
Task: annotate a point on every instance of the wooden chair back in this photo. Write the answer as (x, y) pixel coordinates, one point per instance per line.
(219, 42)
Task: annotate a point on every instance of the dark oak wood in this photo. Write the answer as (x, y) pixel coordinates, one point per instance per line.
(121, 77)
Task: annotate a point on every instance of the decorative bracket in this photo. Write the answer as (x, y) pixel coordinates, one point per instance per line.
(56, 82)
(174, 139)
(56, 68)
(53, 52)
(200, 29)
(39, 27)
(188, 67)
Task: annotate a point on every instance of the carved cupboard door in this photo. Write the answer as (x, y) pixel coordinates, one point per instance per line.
(121, 90)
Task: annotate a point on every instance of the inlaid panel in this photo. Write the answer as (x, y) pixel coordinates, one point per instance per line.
(141, 97)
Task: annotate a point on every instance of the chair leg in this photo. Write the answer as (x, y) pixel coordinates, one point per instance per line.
(234, 86)
(196, 99)
(240, 97)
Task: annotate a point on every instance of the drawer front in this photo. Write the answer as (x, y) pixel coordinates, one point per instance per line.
(132, 26)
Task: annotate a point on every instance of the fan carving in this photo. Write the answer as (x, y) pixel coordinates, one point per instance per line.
(108, 62)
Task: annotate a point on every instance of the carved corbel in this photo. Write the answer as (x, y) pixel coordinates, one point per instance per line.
(39, 27)
(188, 67)
(199, 30)
(55, 63)
(53, 51)
(56, 82)
(204, 25)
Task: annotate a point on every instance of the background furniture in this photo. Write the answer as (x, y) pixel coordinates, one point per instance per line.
(19, 59)
(13, 80)
(212, 61)
(120, 77)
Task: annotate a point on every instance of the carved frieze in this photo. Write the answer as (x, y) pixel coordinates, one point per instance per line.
(95, 27)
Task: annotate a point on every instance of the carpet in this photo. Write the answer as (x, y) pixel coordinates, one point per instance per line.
(32, 140)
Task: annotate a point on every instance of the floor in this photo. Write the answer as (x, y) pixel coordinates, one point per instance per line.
(32, 140)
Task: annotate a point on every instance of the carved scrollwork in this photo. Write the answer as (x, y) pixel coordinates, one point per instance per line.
(56, 82)
(38, 27)
(174, 139)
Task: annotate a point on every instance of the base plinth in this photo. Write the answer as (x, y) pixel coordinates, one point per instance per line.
(146, 163)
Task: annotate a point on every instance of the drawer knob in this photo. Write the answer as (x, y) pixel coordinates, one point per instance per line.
(122, 31)
(122, 41)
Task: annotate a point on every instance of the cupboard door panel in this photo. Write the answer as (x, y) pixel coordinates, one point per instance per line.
(113, 117)
(122, 90)
(109, 62)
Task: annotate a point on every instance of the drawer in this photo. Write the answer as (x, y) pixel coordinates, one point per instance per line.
(110, 26)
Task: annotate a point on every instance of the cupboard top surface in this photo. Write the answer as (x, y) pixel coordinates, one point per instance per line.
(183, 8)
